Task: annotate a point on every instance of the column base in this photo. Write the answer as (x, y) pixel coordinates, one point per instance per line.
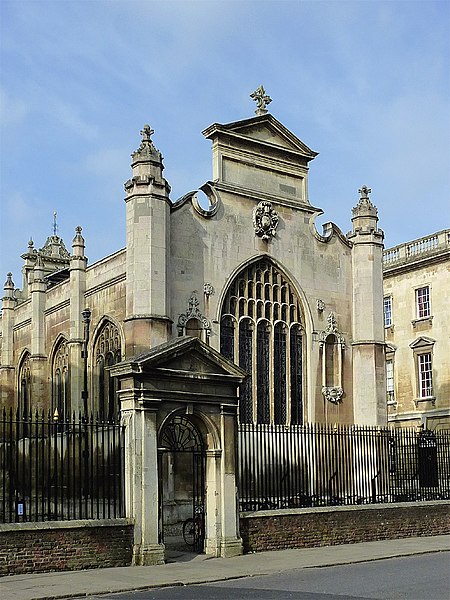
(230, 547)
(144, 556)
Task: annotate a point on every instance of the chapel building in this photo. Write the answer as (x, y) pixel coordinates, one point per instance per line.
(298, 311)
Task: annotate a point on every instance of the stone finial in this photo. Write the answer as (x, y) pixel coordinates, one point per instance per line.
(261, 99)
(365, 191)
(38, 269)
(30, 244)
(9, 284)
(9, 288)
(78, 243)
(147, 133)
(364, 208)
(147, 150)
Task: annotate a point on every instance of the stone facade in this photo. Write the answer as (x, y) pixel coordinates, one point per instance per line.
(181, 261)
(417, 326)
(241, 293)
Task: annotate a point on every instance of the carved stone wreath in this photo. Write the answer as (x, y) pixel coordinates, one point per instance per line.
(265, 220)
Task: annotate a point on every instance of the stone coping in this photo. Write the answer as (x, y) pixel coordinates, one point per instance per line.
(79, 524)
(281, 512)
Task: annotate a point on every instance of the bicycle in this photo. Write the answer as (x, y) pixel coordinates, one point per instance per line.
(193, 530)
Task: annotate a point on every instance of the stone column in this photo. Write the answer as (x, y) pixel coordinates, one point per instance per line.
(7, 370)
(141, 480)
(231, 542)
(213, 531)
(39, 392)
(78, 263)
(147, 322)
(369, 371)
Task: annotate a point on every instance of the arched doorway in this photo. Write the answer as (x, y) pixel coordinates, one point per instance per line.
(181, 469)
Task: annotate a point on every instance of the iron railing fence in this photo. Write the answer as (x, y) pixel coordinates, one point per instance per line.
(62, 468)
(319, 465)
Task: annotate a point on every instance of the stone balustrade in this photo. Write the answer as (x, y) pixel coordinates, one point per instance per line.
(416, 249)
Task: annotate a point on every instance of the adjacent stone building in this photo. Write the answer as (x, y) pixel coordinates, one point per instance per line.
(417, 327)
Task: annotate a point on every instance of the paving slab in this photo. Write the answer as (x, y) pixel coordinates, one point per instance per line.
(192, 569)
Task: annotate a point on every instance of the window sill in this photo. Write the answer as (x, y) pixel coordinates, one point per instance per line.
(389, 328)
(392, 403)
(427, 320)
(431, 399)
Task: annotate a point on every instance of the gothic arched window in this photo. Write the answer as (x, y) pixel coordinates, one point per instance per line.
(261, 330)
(24, 404)
(107, 352)
(60, 380)
(24, 393)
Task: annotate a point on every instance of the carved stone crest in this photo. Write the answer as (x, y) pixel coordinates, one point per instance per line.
(265, 220)
(333, 394)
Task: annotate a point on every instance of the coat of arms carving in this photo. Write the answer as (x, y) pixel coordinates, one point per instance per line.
(265, 220)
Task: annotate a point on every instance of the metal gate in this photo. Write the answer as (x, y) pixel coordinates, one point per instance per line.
(182, 436)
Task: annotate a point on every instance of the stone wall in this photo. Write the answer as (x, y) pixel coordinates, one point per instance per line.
(64, 546)
(307, 528)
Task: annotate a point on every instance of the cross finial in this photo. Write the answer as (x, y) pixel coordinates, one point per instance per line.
(146, 133)
(365, 191)
(261, 99)
(55, 225)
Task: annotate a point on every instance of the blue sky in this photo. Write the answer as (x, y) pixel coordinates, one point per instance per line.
(365, 84)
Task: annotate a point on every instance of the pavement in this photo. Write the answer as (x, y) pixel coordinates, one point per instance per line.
(186, 569)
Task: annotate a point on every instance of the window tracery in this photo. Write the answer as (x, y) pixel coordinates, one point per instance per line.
(60, 381)
(261, 330)
(24, 386)
(107, 352)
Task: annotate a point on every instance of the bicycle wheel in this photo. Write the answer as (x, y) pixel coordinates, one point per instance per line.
(189, 532)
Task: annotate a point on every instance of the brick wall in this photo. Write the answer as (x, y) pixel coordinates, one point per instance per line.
(306, 528)
(65, 545)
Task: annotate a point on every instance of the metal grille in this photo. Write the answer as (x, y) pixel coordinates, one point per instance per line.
(317, 465)
(64, 469)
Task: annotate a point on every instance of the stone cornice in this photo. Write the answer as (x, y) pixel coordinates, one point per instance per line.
(57, 307)
(257, 196)
(22, 324)
(105, 284)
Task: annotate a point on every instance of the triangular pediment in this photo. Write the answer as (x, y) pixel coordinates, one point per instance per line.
(422, 342)
(265, 129)
(186, 356)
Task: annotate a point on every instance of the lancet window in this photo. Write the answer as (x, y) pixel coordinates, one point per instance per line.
(107, 352)
(261, 330)
(24, 404)
(24, 394)
(60, 381)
